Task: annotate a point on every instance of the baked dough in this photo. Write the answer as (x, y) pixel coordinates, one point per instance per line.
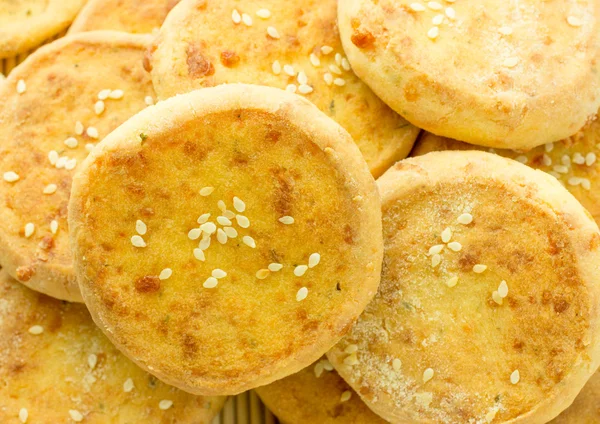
(585, 408)
(487, 310)
(504, 74)
(266, 284)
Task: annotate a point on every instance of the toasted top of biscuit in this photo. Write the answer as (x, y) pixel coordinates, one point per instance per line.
(488, 305)
(227, 237)
(27, 23)
(55, 106)
(57, 366)
(283, 44)
(317, 394)
(122, 15)
(496, 73)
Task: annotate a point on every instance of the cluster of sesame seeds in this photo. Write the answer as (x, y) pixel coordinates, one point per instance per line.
(501, 293)
(352, 351)
(322, 365)
(563, 170)
(141, 229)
(436, 251)
(443, 15)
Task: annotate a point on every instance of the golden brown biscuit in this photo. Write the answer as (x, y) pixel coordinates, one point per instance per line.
(502, 74)
(586, 408)
(316, 395)
(293, 45)
(122, 15)
(264, 285)
(57, 367)
(487, 310)
(50, 116)
(573, 161)
(27, 23)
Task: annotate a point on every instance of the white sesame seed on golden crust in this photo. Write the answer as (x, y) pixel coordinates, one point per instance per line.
(138, 241)
(505, 30)
(340, 82)
(590, 159)
(546, 160)
(437, 19)
(351, 360)
(71, 142)
(50, 189)
(206, 191)
(435, 260)
(549, 147)
(305, 89)
(574, 181)
(436, 249)
(434, 5)
(203, 218)
(289, 70)
(79, 128)
(249, 241)
(318, 369)
(89, 147)
(313, 260)
(230, 232)
(515, 377)
(23, 415)
(140, 227)
(273, 33)
(276, 67)
(326, 365)
(455, 246)
(224, 221)
(465, 219)
(165, 274)
(103, 94)
(29, 229)
(346, 396)
(70, 164)
(21, 86)
(565, 160)
(238, 204)
(99, 107)
(60, 163)
(291, 88)
(236, 17)
(199, 254)
(194, 233)
(314, 60)
(446, 234)
(247, 19)
(326, 50)
(263, 13)
(479, 268)
(574, 21)
(301, 294)
(578, 158)
(586, 184)
(92, 132)
(427, 375)
(510, 62)
(92, 360)
(274, 267)
(221, 236)
(288, 220)
(452, 281)
(149, 100)
(204, 243)
(451, 13)
(302, 78)
(218, 273)
(417, 7)
(116, 94)
(54, 226)
(75, 415)
(210, 283)
(128, 385)
(262, 274)
(208, 228)
(433, 32)
(242, 221)
(496, 297)
(328, 78)
(300, 270)
(351, 348)
(338, 59)
(335, 69)
(346, 64)
(53, 157)
(165, 404)
(503, 289)
(561, 169)
(11, 177)
(397, 364)
(36, 330)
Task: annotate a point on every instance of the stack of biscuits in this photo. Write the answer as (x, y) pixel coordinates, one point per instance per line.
(363, 211)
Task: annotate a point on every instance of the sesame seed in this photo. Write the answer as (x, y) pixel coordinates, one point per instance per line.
(397, 364)
(515, 377)
(36, 330)
(561, 169)
(99, 107)
(590, 159)
(92, 360)
(210, 283)
(328, 78)
(230, 232)
(206, 191)
(203, 218)
(165, 404)
(314, 260)
(436, 249)
(246, 19)
(319, 369)
(417, 7)
(274, 267)
(578, 158)
(204, 243)
(314, 60)
(218, 273)
(263, 13)
(465, 219)
(327, 365)
(510, 62)
(435, 260)
(21, 86)
(149, 100)
(103, 94)
(433, 32)
(340, 82)
(503, 289)
(574, 21)
(302, 293)
(351, 360)
(346, 396)
(53, 157)
(302, 78)
(238, 205)
(249, 241)
(497, 298)
(450, 13)
(208, 228)
(335, 69)
(89, 147)
(92, 132)
(489, 417)
(289, 69)
(199, 254)
(522, 159)
(452, 281)
(70, 164)
(138, 241)
(71, 142)
(288, 220)
(23, 415)
(437, 19)
(276, 67)
(140, 227)
(455, 246)
(29, 229)
(305, 89)
(326, 50)
(50, 189)
(221, 236)
(11, 177)
(272, 32)
(300, 270)
(224, 221)
(116, 94)
(54, 226)
(574, 181)
(165, 274)
(346, 65)
(546, 160)
(479, 268)
(505, 30)
(351, 348)
(236, 17)
(61, 162)
(427, 375)
(75, 415)
(585, 183)
(128, 385)
(446, 234)
(565, 160)
(194, 233)
(78, 128)
(291, 88)
(242, 221)
(549, 147)
(262, 274)
(434, 5)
